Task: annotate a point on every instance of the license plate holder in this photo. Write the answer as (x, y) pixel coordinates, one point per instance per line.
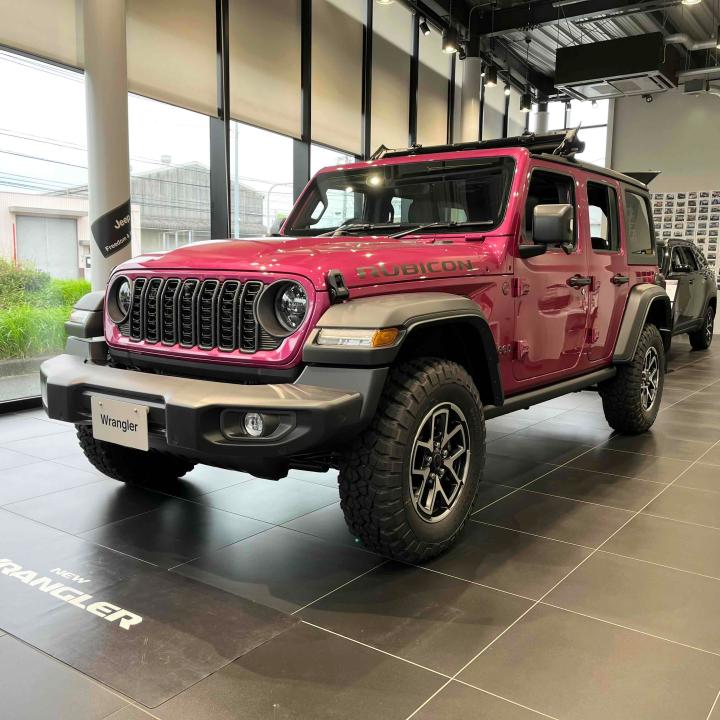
(120, 422)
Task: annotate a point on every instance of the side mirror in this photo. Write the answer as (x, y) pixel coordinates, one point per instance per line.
(553, 224)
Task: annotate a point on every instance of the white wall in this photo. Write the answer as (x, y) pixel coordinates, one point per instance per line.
(676, 134)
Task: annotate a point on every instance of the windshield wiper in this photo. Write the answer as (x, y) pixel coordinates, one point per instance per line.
(450, 224)
(355, 227)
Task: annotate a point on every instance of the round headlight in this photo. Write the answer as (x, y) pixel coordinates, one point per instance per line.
(291, 304)
(124, 296)
(119, 299)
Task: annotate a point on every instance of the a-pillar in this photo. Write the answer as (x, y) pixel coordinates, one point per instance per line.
(106, 102)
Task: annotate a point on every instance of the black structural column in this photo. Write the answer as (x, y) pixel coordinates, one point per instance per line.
(506, 116)
(220, 130)
(106, 103)
(481, 114)
(301, 147)
(414, 68)
(367, 80)
(451, 101)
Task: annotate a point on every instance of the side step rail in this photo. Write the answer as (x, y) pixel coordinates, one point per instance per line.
(526, 400)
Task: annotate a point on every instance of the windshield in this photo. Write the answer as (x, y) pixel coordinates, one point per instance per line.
(393, 198)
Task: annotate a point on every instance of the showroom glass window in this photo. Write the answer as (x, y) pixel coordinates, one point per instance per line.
(44, 231)
(592, 117)
(169, 175)
(261, 180)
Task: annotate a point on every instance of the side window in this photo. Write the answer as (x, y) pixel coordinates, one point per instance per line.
(548, 188)
(690, 259)
(638, 229)
(677, 261)
(602, 207)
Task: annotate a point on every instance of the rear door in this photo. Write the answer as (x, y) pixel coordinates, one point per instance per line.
(607, 267)
(681, 274)
(550, 305)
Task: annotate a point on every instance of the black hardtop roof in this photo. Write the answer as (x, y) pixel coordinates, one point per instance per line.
(560, 147)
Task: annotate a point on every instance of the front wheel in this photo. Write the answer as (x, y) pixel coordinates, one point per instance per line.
(631, 400)
(701, 338)
(408, 483)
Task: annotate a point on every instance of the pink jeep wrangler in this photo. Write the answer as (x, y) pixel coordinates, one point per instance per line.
(406, 300)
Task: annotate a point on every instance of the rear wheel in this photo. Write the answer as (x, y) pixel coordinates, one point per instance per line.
(631, 400)
(701, 338)
(129, 465)
(408, 483)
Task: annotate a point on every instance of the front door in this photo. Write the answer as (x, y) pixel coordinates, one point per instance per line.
(607, 267)
(551, 301)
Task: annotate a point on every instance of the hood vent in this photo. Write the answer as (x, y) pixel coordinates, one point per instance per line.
(638, 65)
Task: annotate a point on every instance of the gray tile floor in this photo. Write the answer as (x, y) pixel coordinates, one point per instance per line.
(587, 584)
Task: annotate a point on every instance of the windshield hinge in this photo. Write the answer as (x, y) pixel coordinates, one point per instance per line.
(336, 286)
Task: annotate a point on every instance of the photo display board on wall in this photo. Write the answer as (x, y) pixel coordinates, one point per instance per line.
(693, 215)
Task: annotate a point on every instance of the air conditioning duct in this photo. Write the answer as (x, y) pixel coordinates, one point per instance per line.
(638, 65)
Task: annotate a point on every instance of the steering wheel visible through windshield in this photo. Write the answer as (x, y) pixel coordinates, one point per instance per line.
(394, 198)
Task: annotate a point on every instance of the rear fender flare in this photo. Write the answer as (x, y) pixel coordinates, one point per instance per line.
(644, 301)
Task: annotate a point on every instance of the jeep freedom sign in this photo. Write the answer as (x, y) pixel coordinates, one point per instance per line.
(72, 596)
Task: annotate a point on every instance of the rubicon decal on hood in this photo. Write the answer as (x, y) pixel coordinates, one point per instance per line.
(428, 268)
(70, 595)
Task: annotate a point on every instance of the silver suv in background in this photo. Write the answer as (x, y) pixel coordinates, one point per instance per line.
(691, 285)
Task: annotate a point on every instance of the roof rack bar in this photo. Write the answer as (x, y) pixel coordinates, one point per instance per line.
(563, 143)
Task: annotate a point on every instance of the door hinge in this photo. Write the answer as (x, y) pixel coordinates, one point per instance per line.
(521, 348)
(520, 287)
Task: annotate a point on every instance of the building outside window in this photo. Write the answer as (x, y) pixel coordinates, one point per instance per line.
(261, 180)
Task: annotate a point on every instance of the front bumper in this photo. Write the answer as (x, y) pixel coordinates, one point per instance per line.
(200, 418)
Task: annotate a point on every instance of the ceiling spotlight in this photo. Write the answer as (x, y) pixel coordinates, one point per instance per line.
(717, 38)
(424, 27)
(462, 52)
(525, 102)
(507, 89)
(482, 70)
(691, 2)
(490, 76)
(647, 98)
(450, 41)
(385, 2)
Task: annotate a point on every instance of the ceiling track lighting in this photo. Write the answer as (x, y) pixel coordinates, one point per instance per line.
(491, 77)
(526, 102)
(691, 2)
(450, 41)
(424, 27)
(507, 88)
(385, 2)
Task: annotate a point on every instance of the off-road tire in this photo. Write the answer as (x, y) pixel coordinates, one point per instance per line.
(621, 396)
(701, 339)
(129, 465)
(374, 475)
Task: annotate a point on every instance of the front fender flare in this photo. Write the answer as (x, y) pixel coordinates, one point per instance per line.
(410, 312)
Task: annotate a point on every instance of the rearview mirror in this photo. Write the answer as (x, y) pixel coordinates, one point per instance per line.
(553, 224)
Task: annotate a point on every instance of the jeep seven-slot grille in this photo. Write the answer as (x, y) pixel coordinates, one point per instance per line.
(204, 313)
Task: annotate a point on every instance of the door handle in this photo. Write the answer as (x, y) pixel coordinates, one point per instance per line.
(619, 279)
(578, 281)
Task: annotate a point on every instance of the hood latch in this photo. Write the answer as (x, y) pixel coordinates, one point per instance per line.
(336, 286)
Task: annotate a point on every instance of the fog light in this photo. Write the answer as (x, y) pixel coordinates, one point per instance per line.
(254, 424)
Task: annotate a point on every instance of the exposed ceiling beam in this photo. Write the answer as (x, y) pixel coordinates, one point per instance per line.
(547, 12)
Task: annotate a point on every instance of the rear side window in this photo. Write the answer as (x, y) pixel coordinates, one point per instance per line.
(640, 241)
(602, 208)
